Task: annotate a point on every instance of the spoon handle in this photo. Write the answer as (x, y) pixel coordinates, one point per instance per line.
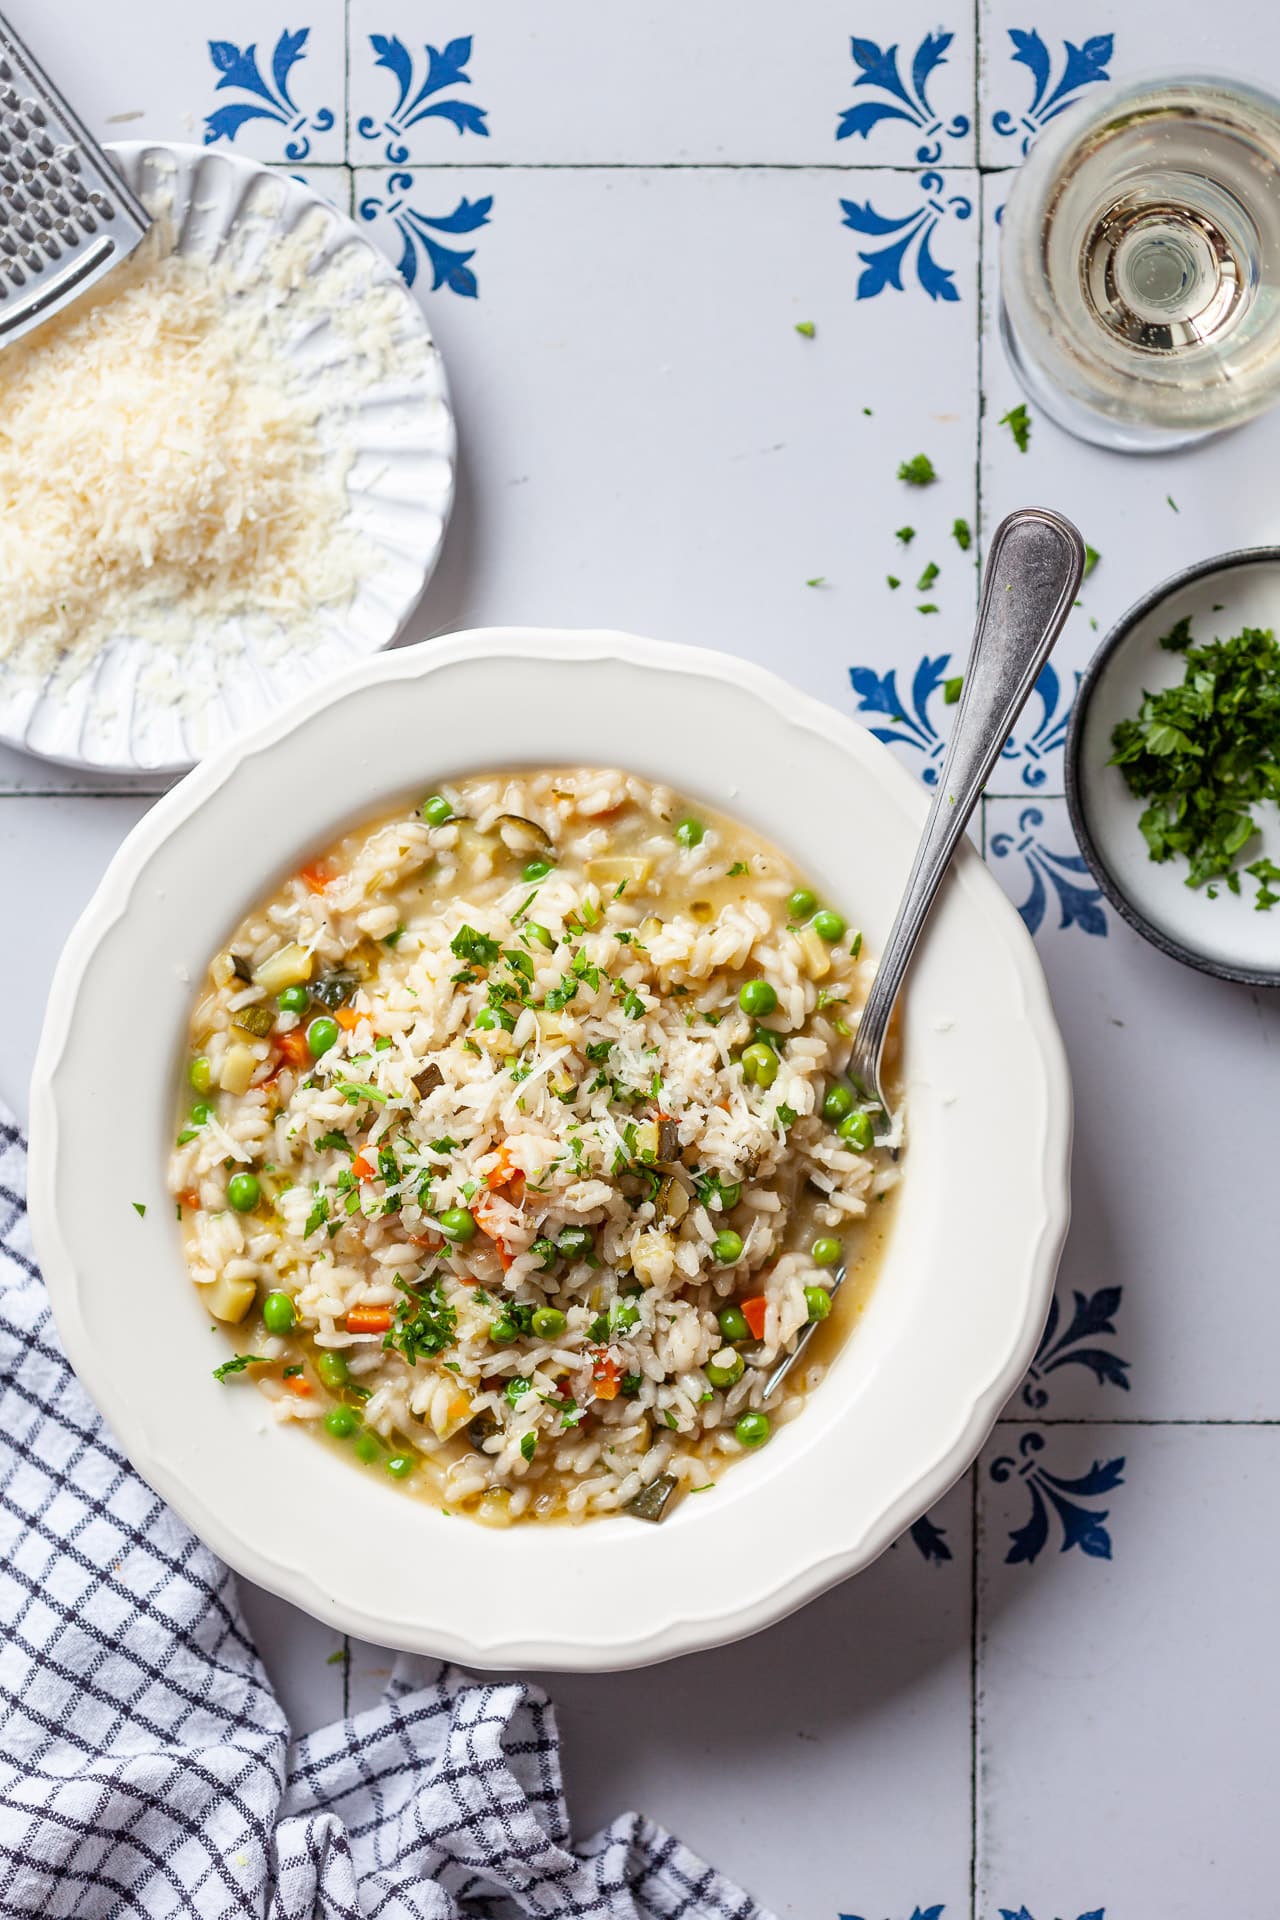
(1033, 571)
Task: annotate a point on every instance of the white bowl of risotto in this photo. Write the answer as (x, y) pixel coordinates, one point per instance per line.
(440, 1140)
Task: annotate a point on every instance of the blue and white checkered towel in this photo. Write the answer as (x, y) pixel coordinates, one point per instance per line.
(146, 1767)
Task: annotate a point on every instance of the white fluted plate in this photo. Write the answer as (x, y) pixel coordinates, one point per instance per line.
(142, 707)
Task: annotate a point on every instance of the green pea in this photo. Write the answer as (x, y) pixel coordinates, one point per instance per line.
(818, 1302)
(503, 1332)
(200, 1074)
(727, 1246)
(516, 1389)
(341, 1422)
(730, 1194)
(801, 904)
(725, 1367)
(456, 1224)
(244, 1191)
(826, 1253)
(400, 1466)
(277, 1312)
(575, 1242)
(690, 832)
(436, 810)
(490, 1017)
(539, 934)
(293, 1000)
(367, 1448)
(757, 997)
(547, 1322)
(828, 926)
(751, 1429)
(333, 1370)
(201, 1113)
(321, 1035)
(857, 1130)
(760, 1063)
(535, 870)
(836, 1103)
(733, 1324)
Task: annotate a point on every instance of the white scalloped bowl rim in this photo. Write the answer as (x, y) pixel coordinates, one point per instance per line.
(951, 1323)
(110, 718)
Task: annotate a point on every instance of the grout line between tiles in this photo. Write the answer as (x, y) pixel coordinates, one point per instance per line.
(974, 1495)
(1132, 1420)
(659, 166)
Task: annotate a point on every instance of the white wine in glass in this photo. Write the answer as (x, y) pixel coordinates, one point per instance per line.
(1140, 263)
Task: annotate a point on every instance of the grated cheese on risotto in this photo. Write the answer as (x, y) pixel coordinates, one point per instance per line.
(516, 1148)
(169, 462)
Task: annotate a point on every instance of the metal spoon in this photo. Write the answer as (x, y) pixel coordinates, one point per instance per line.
(1033, 572)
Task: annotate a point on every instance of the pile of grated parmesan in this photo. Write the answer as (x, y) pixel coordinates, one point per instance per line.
(169, 460)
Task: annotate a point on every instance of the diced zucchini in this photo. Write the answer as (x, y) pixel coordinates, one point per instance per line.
(814, 957)
(239, 1063)
(228, 1300)
(257, 1020)
(493, 1509)
(290, 967)
(651, 1502)
(611, 869)
(647, 1138)
(521, 835)
(652, 1259)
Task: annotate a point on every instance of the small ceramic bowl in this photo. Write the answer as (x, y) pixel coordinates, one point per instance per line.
(1223, 935)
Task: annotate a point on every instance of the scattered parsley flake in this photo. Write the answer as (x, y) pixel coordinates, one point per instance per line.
(961, 534)
(906, 535)
(928, 607)
(807, 328)
(1173, 503)
(893, 580)
(528, 1444)
(140, 1208)
(238, 1363)
(952, 689)
(394, 939)
(477, 948)
(928, 577)
(818, 580)
(739, 866)
(1178, 638)
(918, 471)
(1091, 559)
(336, 1658)
(1018, 421)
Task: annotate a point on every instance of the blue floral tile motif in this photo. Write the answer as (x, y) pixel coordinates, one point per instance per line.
(445, 67)
(1041, 732)
(907, 100)
(907, 241)
(1079, 899)
(1023, 1913)
(268, 99)
(1091, 1320)
(419, 234)
(931, 1541)
(1081, 67)
(1053, 1494)
(917, 1913)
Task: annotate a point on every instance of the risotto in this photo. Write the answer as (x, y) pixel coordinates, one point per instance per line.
(516, 1149)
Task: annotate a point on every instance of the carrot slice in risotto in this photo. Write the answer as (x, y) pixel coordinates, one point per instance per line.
(753, 1312)
(368, 1319)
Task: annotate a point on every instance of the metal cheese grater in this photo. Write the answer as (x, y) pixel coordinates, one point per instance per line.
(66, 217)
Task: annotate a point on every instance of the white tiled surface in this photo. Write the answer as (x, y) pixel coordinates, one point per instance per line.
(1061, 1722)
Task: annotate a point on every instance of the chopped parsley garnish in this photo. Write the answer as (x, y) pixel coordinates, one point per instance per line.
(425, 1323)
(818, 580)
(238, 1363)
(961, 534)
(599, 1051)
(394, 939)
(807, 328)
(140, 1208)
(632, 1005)
(786, 1116)
(630, 1384)
(1173, 503)
(1091, 559)
(1018, 421)
(928, 577)
(893, 581)
(918, 471)
(929, 606)
(356, 1090)
(1204, 753)
(906, 535)
(952, 689)
(317, 1216)
(528, 1444)
(1178, 638)
(477, 948)
(291, 1373)
(560, 996)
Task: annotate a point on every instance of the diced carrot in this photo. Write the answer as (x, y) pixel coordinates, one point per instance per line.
(299, 1384)
(189, 1199)
(459, 1406)
(606, 1389)
(316, 877)
(368, 1319)
(348, 1018)
(294, 1047)
(753, 1312)
(362, 1168)
(604, 1376)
